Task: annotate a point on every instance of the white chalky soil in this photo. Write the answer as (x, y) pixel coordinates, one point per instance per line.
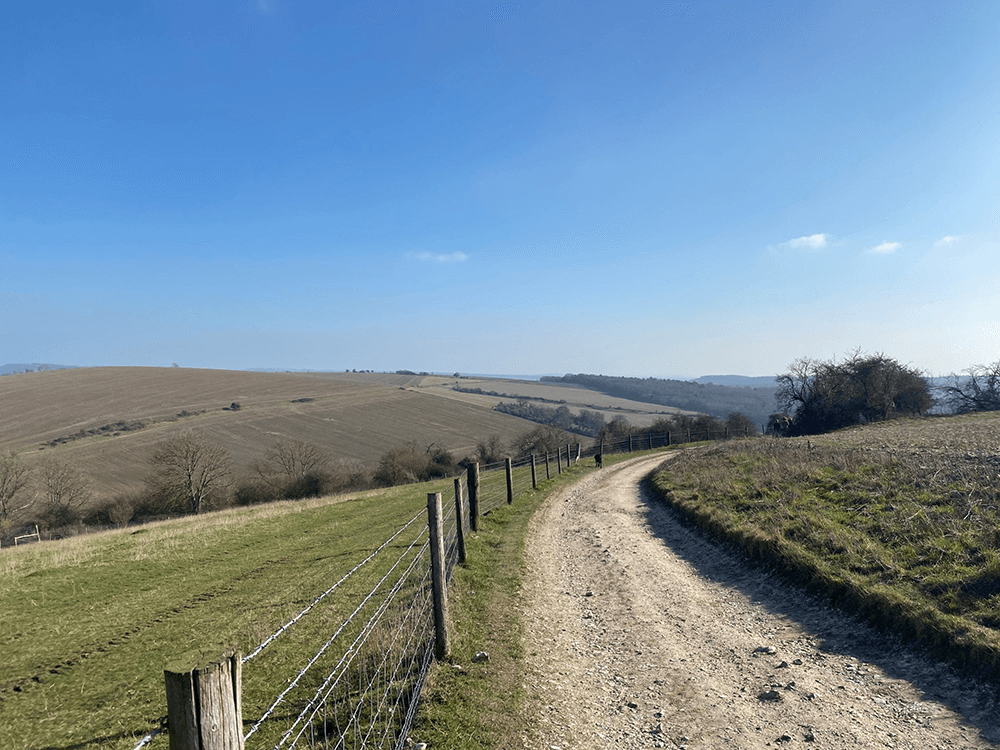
(641, 633)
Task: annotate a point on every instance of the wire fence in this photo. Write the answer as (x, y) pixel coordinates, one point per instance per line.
(360, 687)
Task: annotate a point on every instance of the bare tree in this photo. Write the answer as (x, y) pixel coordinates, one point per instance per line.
(14, 478)
(293, 459)
(190, 468)
(978, 390)
(65, 492)
(542, 439)
(294, 468)
(740, 424)
(491, 450)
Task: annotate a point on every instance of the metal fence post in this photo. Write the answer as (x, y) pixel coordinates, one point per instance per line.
(510, 479)
(460, 519)
(435, 523)
(474, 497)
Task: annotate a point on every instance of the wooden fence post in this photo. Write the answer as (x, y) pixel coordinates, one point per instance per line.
(204, 706)
(459, 519)
(547, 475)
(559, 459)
(651, 441)
(579, 452)
(510, 479)
(534, 476)
(630, 443)
(474, 497)
(435, 523)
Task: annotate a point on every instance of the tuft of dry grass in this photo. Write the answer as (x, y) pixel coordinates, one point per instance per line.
(899, 521)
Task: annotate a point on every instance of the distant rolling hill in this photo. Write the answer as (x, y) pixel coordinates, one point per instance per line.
(739, 381)
(706, 397)
(11, 369)
(107, 420)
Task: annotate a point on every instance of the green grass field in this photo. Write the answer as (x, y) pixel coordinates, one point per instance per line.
(89, 624)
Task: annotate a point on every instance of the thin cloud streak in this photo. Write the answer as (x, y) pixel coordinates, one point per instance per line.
(810, 242)
(426, 257)
(886, 248)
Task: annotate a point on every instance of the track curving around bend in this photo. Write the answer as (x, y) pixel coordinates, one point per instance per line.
(642, 633)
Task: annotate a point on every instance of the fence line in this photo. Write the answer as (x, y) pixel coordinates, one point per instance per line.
(368, 697)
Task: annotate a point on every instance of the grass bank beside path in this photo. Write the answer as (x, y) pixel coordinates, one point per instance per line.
(897, 522)
(466, 705)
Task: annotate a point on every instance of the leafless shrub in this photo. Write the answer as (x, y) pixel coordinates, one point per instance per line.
(64, 494)
(189, 469)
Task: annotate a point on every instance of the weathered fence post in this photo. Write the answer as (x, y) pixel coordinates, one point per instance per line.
(650, 441)
(435, 523)
(629, 443)
(547, 475)
(668, 438)
(204, 706)
(569, 460)
(534, 476)
(559, 459)
(474, 497)
(508, 468)
(459, 519)
(579, 452)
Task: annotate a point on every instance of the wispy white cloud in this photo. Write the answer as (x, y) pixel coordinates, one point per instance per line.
(809, 242)
(886, 248)
(441, 257)
(948, 239)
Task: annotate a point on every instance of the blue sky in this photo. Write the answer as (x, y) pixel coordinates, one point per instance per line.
(667, 189)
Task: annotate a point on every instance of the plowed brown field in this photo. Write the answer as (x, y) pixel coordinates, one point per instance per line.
(355, 416)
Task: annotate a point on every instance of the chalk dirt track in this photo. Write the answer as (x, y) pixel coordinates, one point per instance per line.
(642, 633)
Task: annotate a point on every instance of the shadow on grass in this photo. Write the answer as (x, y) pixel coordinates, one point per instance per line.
(975, 698)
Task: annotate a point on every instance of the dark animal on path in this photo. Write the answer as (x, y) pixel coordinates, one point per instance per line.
(599, 460)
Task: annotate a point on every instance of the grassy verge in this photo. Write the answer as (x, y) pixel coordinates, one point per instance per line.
(898, 522)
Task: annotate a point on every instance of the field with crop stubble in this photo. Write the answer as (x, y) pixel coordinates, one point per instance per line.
(106, 421)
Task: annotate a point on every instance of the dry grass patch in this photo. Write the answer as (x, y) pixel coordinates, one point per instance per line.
(898, 521)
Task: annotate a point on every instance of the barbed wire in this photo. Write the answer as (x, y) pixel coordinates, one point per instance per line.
(331, 682)
(270, 639)
(295, 681)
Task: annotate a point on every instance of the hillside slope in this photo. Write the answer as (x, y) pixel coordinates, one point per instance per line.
(51, 413)
(106, 421)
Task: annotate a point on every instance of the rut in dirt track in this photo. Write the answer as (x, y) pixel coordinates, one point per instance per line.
(643, 633)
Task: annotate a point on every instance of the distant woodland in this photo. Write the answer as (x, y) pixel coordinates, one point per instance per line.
(715, 400)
